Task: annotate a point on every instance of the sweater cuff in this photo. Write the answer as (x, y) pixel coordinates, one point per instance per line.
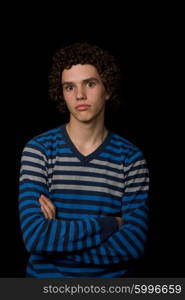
(109, 225)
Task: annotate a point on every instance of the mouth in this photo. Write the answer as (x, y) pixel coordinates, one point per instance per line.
(82, 107)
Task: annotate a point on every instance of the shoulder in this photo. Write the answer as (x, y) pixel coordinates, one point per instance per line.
(130, 152)
(46, 140)
(49, 135)
(123, 143)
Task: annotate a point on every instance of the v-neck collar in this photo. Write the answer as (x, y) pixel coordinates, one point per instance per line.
(82, 157)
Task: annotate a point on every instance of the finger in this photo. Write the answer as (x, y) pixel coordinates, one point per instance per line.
(120, 221)
(43, 198)
(44, 212)
(48, 210)
(48, 202)
(48, 205)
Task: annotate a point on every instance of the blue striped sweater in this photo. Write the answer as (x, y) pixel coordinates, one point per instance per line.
(88, 192)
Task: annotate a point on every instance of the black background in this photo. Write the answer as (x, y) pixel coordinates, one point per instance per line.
(148, 48)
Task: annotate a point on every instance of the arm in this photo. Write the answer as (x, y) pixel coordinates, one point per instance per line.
(52, 235)
(49, 210)
(128, 243)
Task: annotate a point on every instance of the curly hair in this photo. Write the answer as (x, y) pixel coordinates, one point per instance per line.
(84, 53)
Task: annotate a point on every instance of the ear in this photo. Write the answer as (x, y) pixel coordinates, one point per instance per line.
(107, 96)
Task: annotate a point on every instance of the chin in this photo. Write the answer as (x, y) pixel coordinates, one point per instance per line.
(84, 118)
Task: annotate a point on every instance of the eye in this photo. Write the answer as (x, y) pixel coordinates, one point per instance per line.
(68, 88)
(91, 83)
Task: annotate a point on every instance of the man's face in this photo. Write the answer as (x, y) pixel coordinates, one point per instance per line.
(84, 92)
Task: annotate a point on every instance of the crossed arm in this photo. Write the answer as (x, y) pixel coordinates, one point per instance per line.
(49, 210)
(91, 240)
(124, 245)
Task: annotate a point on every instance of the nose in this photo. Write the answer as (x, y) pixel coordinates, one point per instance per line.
(80, 93)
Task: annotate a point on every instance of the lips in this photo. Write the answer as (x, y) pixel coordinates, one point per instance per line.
(82, 107)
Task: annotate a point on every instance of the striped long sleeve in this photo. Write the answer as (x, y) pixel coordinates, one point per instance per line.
(47, 236)
(128, 243)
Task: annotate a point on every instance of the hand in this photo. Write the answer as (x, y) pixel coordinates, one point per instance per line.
(47, 207)
(120, 221)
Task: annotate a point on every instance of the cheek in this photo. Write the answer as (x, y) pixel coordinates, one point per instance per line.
(99, 95)
(68, 98)
(101, 98)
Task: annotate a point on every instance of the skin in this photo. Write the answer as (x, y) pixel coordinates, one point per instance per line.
(82, 85)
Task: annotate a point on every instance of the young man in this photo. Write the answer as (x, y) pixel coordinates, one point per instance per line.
(83, 189)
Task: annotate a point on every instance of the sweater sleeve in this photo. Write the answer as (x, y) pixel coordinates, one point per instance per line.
(55, 235)
(128, 243)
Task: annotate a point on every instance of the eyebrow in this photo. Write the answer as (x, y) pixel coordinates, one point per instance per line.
(85, 80)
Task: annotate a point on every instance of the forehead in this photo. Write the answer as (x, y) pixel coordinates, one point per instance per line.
(79, 73)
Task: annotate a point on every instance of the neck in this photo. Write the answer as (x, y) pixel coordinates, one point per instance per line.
(86, 134)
